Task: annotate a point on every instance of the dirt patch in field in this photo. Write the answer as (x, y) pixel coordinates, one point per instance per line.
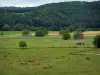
(54, 33)
(88, 33)
(91, 33)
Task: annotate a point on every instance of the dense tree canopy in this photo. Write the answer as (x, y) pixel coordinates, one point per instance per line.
(53, 16)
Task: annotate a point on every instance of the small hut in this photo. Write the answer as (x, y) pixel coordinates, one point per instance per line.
(80, 40)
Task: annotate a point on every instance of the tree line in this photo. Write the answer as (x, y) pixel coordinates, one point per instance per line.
(54, 16)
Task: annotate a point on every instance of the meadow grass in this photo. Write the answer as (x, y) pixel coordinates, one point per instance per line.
(49, 55)
(11, 32)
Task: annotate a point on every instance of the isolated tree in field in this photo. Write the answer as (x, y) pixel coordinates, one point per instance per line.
(96, 41)
(22, 44)
(25, 32)
(65, 34)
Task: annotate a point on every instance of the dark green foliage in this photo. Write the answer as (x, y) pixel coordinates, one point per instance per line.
(76, 34)
(71, 28)
(22, 44)
(25, 32)
(61, 32)
(19, 27)
(96, 41)
(54, 16)
(88, 58)
(65, 34)
(39, 33)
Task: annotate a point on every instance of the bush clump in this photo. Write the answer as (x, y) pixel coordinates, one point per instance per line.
(65, 34)
(96, 41)
(22, 44)
(41, 32)
(88, 58)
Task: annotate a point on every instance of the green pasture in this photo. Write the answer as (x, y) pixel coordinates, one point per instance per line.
(19, 32)
(51, 56)
(11, 32)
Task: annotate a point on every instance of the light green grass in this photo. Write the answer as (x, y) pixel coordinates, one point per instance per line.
(11, 32)
(14, 32)
(53, 54)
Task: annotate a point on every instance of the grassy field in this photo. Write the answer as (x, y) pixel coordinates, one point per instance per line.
(49, 55)
(11, 32)
(51, 33)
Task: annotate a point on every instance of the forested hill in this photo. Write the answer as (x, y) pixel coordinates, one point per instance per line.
(53, 16)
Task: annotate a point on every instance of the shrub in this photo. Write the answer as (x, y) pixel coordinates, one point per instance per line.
(96, 41)
(76, 34)
(25, 32)
(41, 33)
(65, 34)
(88, 58)
(22, 44)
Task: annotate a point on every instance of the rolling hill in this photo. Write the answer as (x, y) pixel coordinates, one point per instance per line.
(54, 16)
